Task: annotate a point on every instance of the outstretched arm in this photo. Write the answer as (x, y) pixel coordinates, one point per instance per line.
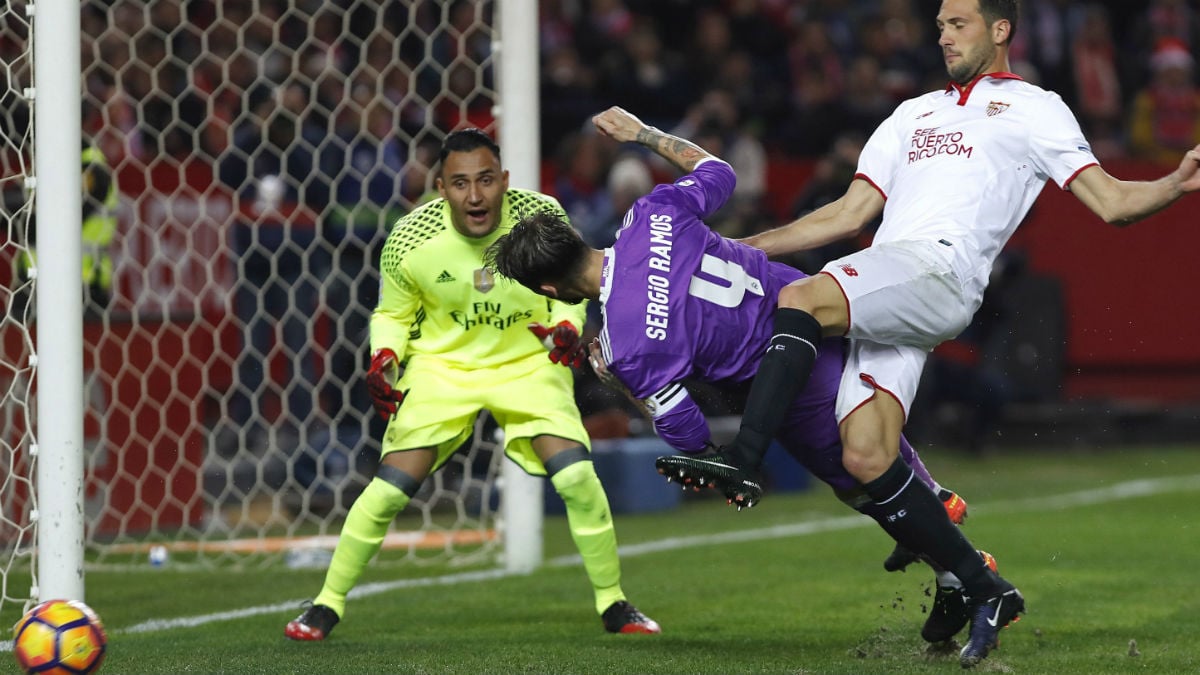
(835, 221)
(1123, 202)
(622, 126)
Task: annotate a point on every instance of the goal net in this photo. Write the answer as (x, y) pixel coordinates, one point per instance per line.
(257, 153)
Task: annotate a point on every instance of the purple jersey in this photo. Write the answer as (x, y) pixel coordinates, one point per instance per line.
(680, 301)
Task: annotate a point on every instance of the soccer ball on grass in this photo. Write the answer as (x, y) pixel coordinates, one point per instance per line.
(59, 637)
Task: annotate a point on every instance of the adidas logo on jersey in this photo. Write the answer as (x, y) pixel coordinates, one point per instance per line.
(444, 277)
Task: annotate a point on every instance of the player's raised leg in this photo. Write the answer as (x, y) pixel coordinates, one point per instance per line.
(784, 371)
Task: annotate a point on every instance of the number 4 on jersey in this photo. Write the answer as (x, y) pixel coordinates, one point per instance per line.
(730, 272)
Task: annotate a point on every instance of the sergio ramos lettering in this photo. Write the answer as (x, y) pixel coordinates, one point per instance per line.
(658, 286)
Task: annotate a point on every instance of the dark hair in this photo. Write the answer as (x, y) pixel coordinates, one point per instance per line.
(994, 10)
(542, 248)
(466, 140)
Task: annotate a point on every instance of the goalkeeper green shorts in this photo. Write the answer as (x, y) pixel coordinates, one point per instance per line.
(529, 397)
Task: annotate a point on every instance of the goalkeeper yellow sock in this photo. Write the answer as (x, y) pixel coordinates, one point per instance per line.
(361, 537)
(592, 529)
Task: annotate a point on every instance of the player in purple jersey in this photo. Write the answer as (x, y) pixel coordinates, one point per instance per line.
(953, 173)
(681, 302)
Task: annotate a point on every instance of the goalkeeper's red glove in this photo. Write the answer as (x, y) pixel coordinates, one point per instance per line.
(563, 342)
(380, 378)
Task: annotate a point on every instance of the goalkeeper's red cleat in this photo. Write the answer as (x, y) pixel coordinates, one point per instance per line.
(622, 617)
(314, 624)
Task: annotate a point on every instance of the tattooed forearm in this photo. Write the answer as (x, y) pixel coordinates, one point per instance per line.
(682, 153)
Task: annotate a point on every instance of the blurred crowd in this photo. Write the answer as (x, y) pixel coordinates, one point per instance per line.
(751, 79)
(801, 73)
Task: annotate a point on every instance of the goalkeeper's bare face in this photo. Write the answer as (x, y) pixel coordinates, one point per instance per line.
(473, 184)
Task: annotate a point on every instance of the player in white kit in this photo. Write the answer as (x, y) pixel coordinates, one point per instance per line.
(953, 172)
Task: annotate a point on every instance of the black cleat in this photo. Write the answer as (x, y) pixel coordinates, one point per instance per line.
(948, 615)
(314, 624)
(622, 617)
(987, 618)
(740, 487)
(950, 611)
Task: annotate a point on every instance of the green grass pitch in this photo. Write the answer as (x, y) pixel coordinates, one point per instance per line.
(1104, 545)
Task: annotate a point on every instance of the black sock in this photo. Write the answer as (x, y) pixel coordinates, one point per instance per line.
(784, 371)
(915, 517)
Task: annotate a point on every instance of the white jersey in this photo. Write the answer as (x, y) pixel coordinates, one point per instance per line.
(963, 166)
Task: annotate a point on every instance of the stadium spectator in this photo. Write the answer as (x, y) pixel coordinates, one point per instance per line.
(273, 169)
(367, 166)
(465, 104)
(603, 24)
(1165, 121)
(866, 102)
(99, 224)
(1159, 20)
(580, 182)
(711, 45)
(1047, 31)
(714, 329)
(957, 170)
(817, 76)
(556, 24)
(471, 351)
(418, 183)
(568, 94)
(901, 62)
(833, 172)
(840, 18)
(629, 178)
(1097, 83)
(645, 72)
(715, 124)
(466, 40)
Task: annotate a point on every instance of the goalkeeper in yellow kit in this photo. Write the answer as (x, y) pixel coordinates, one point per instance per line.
(465, 343)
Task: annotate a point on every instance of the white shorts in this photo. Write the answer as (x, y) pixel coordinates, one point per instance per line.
(903, 299)
(903, 293)
(871, 366)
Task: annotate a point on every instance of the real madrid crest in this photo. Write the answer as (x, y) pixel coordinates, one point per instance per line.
(484, 281)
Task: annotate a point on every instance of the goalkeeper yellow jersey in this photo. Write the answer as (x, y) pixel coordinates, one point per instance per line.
(437, 300)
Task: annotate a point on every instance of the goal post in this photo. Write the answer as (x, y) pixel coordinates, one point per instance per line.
(212, 400)
(517, 52)
(57, 193)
